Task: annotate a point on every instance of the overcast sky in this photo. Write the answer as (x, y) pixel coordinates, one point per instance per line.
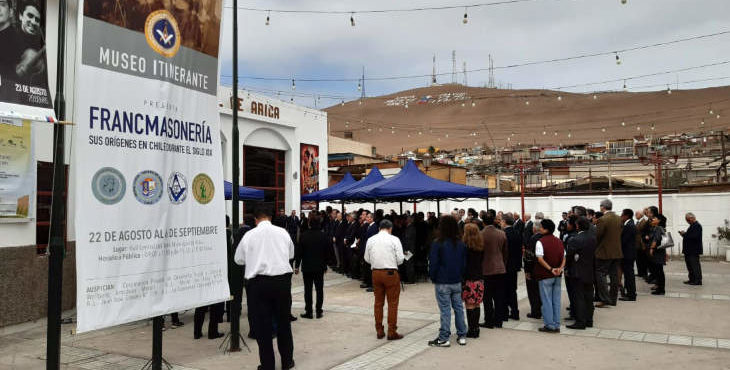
(326, 46)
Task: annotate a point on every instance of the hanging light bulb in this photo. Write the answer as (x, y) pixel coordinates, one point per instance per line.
(652, 127)
(293, 84)
(623, 2)
(369, 129)
(513, 133)
(638, 128)
(420, 133)
(268, 18)
(624, 84)
(560, 98)
(406, 105)
(291, 99)
(347, 124)
(473, 104)
(669, 90)
(555, 133)
(463, 104)
(509, 139)
(544, 132)
(623, 123)
(618, 59)
(702, 123)
(603, 129)
(343, 103)
(447, 136)
(527, 102)
(718, 116)
(570, 134)
(359, 86)
(711, 111)
(595, 97)
(392, 131)
(359, 102)
(352, 19)
(380, 129)
(466, 17)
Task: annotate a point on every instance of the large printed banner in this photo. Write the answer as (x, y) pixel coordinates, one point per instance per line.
(309, 156)
(17, 169)
(150, 214)
(23, 71)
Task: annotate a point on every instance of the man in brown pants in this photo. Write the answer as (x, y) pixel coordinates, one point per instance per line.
(384, 253)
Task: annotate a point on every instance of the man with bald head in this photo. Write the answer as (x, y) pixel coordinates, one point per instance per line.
(692, 249)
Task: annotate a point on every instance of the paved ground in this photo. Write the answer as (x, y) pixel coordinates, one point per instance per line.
(690, 327)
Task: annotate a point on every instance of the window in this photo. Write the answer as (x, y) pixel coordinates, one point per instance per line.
(348, 134)
(44, 197)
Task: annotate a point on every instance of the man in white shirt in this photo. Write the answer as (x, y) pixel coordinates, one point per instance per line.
(265, 252)
(384, 253)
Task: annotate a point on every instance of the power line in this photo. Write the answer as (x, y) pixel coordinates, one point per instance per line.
(380, 11)
(509, 66)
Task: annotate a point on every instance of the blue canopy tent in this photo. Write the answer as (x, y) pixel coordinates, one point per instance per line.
(244, 193)
(346, 181)
(373, 177)
(410, 184)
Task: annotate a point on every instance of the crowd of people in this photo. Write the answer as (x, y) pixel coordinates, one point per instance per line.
(472, 258)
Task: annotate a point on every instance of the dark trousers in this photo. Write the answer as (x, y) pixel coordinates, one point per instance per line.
(570, 289)
(510, 293)
(533, 295)
(642, 263)
(627, 265)
(367, 276)
(355, 266)
(607, 269)
(694, 268)
(582, 302)
(657, 271)
(270, 299)
(316, 279)
(216, 316)
(344, 258)
(495, 309)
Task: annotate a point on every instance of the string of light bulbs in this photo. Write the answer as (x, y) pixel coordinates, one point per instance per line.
(617, 54)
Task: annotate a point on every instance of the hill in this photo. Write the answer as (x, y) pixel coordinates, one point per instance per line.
(455, 116)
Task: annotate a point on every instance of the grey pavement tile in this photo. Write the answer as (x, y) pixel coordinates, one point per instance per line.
(656, 338)
(681, 340)
(704, 342)
(723, 343)
(609, 334)
(635, 336)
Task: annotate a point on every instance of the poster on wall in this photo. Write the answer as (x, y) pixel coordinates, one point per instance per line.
(23, 68)
(309, 156)
(17, 169)
(150, 213)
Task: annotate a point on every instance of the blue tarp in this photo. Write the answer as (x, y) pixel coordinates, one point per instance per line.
(412, 184)
(244, 193)
(373, 177)
(347, 180)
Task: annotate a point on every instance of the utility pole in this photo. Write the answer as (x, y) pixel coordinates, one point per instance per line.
(57, 242)
(362, 91)
(465, 81)
(491, 72)
(433, 72)
(453, 66)
(237, 282)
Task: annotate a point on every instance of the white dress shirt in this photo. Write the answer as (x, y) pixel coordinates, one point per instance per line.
(265, 250)
(384, 251)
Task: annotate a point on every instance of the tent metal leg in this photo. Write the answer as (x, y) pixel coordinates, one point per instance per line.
(438, 208)
(375, 207)
(401, 207)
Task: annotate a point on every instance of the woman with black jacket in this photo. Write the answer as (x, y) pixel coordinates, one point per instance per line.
(657, 254)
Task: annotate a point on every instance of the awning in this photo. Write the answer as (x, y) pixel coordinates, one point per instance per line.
(244, 193)
(317, 195)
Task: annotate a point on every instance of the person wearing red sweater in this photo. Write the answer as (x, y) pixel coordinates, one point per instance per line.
(550, 255)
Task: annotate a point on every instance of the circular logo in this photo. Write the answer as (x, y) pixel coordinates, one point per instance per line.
(108, 185)
(177, 188)
(148, 187)
(162, 33)
(203, 188)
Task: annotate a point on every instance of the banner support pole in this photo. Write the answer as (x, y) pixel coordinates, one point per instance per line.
(237, 283)
(56, 242)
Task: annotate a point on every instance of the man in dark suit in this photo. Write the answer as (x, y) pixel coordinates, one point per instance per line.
(608, 254)
(628, 248)
(340, 235)
(692, 249)
(514, 264)
(528, 231)
(372, 229)
(310, 256)
(533, 288)
(642, 224)
(353, 233)
(563, 225)
(519, 225)
(580, 253)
